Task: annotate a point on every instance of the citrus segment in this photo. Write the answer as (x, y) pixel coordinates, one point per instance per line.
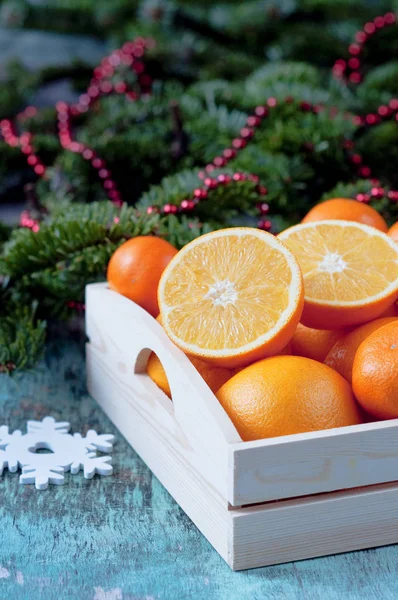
(284, 395)
(350, 271)
(232, 296)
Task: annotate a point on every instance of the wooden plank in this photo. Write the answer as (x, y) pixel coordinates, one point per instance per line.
(312, 463)
(305, 528)
(155, 436)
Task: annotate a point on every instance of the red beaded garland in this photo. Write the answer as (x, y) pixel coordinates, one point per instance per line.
(349, 70)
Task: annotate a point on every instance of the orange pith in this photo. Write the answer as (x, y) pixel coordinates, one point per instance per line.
(231, 296)
(350, 271)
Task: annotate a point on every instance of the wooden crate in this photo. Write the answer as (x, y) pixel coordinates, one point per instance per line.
(258, 503)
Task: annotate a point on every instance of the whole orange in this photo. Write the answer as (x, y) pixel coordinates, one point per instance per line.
(215, 377)
(341, 356)
(393, 232)
(314, 343)
(344, 209)
(136, 267)
(287, 394)
(375, 372)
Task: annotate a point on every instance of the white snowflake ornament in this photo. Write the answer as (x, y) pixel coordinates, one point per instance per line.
(67, 452)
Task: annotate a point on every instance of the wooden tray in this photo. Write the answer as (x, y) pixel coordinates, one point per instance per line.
(258, 503)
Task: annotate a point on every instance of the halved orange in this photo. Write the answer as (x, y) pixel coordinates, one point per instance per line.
(350, 271)
(232, 296)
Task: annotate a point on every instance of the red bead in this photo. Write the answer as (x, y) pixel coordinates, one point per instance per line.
(393, 104)
(361, 37)
(39, 169)
(253, 121)
(32, 160)
(219, 161)
(209, 168)
(61, 106)
(262, 190)
(371, 119)
(355, 77)
(229, 153)
(356, 159)
(393, 195)
(246, 133)
(271, 102)
(364, 172)
(108, 184)
(383, 111)
(357, 120)
(93, 91)
(354, 49)
(138, 68)
(261, 111)
(88, 154)
(263, 208)
(379, 22)
(97, 163)
(354, 63)
(305, 106)
(173, 209)
(238, 143)
(389, 18)
(167, 208)
(197, 193)
(211, 183)
(187, 205)
(76, 147)
(264, 224)
(369, 28)
(238, 177)
(254, 178)
(103, 173)
(27, 149)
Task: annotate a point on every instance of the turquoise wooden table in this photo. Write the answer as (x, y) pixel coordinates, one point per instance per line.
(123, 537)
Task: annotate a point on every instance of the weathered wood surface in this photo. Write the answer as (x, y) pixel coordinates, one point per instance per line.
(124, 538)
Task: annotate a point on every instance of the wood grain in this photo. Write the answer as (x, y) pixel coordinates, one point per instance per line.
(310, 527)
(311, 463)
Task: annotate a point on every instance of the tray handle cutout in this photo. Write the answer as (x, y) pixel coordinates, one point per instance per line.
(126, 333)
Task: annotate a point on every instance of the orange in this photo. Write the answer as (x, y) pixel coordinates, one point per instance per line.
(375, 372)
(341, 356)
(350, 272)
(231, 297)
(135, 269)
(287, 394)
(215, 377)
(393, 232)
(344, 209)
(314, 343)
(392, 311)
